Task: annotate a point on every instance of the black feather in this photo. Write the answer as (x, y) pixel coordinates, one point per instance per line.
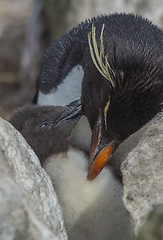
(134, 48)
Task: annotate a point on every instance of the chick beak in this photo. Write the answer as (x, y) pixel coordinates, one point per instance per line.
(73, 111)
(100, 152)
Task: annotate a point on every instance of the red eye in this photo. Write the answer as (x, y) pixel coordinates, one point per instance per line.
(101, 97)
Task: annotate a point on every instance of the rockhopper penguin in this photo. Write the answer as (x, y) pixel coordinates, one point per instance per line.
(115, 65)
(91, 209)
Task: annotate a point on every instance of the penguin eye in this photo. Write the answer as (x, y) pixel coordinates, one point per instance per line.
(101, 97)
(44, 125)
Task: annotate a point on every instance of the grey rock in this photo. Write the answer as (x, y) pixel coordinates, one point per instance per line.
(29, 208)
(153, 228)
(143, 174)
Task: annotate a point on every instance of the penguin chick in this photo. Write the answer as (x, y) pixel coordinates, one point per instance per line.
(91, 209)
(39, 126)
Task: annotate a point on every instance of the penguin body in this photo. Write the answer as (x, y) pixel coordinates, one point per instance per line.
(92, 210)
(130, 41)
(116, 63)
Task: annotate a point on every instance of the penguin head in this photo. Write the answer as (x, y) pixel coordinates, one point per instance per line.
(44, 129)
(119, 96)
(122, 89)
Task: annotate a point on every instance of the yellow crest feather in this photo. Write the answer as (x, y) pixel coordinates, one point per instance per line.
(97, 54)
(106, 112)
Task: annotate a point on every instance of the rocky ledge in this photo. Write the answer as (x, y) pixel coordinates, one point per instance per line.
(29, 208)
(143, 176)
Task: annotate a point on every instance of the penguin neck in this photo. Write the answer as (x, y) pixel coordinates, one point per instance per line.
(81, 135)
(67, 91)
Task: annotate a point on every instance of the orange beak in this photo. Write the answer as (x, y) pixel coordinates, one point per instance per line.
(98, 159)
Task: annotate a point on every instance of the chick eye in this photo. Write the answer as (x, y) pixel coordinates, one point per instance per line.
(44, 125)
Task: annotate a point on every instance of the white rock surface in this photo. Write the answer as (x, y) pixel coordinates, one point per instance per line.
(29, 208)
(143, 174)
